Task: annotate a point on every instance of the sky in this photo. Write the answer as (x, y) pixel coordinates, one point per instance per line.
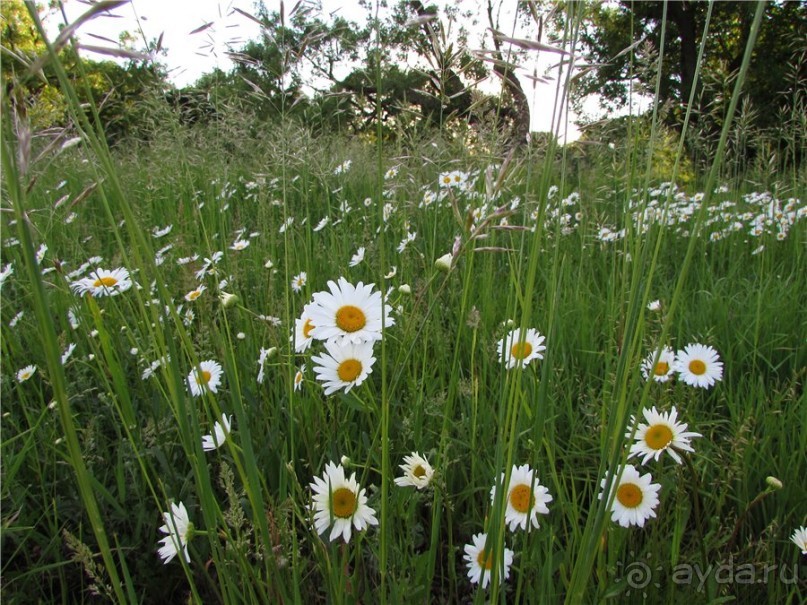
(189, 55)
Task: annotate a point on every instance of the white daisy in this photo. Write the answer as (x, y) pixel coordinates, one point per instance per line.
(68, 352)
(303, 328)
(662, 370)
(298, 281)
(654, 305)
(206, 377)
(526, 497)
(636, 497)
(180, 532)
(344, 366)
(699, 366)
(239, 244)
(358, 257)
(103, 283)
(417, 472)
(221, 430)
(349, 313)
(25, 373)
(264, 355)
(339, 501)
(480, 561)
(194, 294)
(157, 232)
(298, 378)
(514, 352)
(799, 538)
(661, 433)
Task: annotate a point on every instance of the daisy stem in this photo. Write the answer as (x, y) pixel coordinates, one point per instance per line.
(696, 504)
(738, 524)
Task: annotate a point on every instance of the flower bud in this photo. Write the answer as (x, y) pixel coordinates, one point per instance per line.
(444, 262)
(773, 482)
(228, 300)
(405, 289)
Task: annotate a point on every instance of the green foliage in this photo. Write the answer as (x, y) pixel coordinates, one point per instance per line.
(623, 40)
(117, 91)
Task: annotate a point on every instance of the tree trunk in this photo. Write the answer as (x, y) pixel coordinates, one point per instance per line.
(683, 13)
(520, 104)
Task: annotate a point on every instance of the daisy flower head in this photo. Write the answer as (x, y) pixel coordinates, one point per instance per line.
(349, 313)
(517, 349)
(340, 501)
(480, 561)
(417, 472)
(298, 378)
(239, 244)
(180, 532)
(103, 283)
(660, 433)
(303, 328)
(221, 430)
(299, 281)
(25, 373)
(799, 538)
(526, 497)
(662, 370)
(194, 294)
(207, 377)
(358, 257)
(344, 365)
(636, 497)
(699, 366)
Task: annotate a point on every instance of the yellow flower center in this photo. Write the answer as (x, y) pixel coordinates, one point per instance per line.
(194, 295)
(419, 471)
(661, 369)
(349, 370)
(298, 378)
(107, 282)
(521, 350)
(629, 495)
(350, 318)
(485, 559)
(446, 179)
(204, 376)
(658, 436)
(307, 328)
(521, 498)
(697, 367)
(343, 503)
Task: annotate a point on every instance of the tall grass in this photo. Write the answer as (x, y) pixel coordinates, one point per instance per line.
(95, 449)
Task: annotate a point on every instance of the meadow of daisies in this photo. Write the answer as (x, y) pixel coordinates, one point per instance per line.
(246, 365)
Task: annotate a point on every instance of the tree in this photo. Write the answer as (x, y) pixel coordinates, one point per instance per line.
(117, 91)
(608, 29)
(412, 67)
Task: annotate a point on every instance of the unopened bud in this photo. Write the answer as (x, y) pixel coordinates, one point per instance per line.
(228, 300)
(773, 482)
(405, 289)
(345, 461)
(444, 262)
